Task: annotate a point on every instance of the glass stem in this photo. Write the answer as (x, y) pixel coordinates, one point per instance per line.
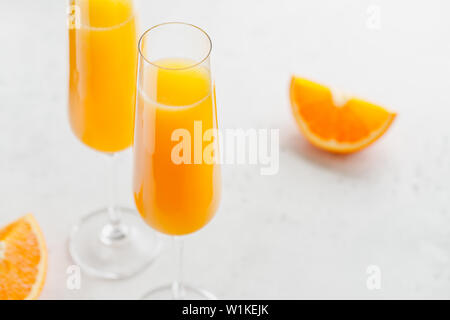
(113, 214)
(177, 285)
(114, 231)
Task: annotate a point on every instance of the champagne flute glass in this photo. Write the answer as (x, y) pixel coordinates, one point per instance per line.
(111, 242)
(176, 189)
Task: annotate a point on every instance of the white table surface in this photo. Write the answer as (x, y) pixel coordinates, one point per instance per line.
(311, 230)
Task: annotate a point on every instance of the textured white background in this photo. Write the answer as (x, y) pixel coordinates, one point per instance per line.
(311, 230)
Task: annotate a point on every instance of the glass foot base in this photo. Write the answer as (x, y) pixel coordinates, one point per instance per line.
(113, 252)
(187, 292)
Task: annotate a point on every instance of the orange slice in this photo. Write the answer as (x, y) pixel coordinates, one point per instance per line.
(336, 122)
(23, 260)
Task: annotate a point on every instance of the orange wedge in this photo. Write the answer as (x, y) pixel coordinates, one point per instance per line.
(336, 122)
(23, 260)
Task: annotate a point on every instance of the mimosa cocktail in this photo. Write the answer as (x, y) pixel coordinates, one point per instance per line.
(102, 90)
(103, 62)
(176, 172)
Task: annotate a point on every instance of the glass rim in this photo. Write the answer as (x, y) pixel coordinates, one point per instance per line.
(200, 61)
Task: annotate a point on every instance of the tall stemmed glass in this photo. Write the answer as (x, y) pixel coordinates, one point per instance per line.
(176, 173)
(111, 242)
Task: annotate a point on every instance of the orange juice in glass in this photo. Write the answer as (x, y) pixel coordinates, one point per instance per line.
(102, 92)
(103, 62)
(176, 188)
(176, 173)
